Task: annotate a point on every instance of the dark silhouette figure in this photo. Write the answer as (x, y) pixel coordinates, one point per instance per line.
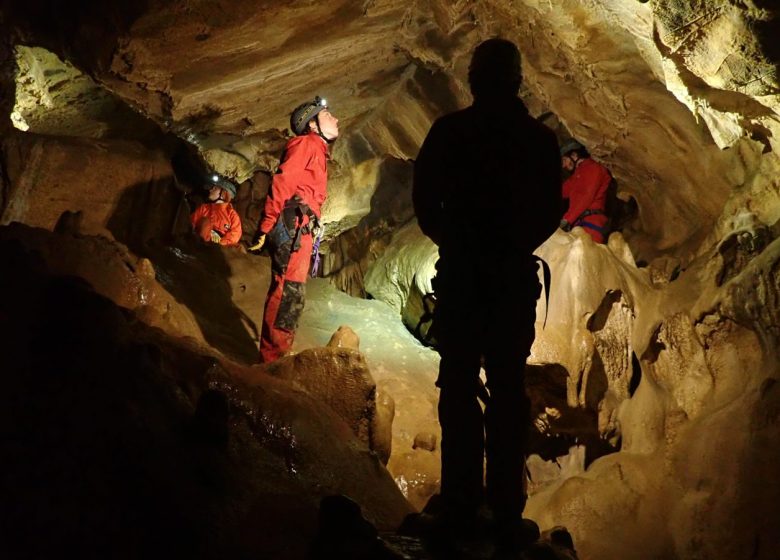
(487, 191)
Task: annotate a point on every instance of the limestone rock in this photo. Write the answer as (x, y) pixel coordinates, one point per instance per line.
(105, 378)
(111, 270)
(104, 180)
(345, 337)
(425, 441)
(382, 426)
(339, 378)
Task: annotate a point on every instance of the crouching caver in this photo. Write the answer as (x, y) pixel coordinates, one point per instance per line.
(292, 211)
(216, 221)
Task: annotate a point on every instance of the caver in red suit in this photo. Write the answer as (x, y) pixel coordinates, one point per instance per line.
(586, 190)
(301, 180)
(220, 218)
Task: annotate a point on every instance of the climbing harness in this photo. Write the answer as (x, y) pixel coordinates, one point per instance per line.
(315, 252)
(580, 221)
(429, 306)
(285, 237)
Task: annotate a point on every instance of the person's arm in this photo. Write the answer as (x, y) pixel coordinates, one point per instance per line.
(584, 187)
(427, 185)
(285, 183)
(233, 235)
(197, 215)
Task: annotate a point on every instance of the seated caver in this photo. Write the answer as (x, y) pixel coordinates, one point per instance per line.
(216, 221)
(587, 192)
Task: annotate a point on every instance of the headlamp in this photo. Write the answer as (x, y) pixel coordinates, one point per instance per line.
(215, 178)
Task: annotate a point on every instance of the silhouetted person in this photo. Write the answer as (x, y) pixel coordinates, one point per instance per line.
(487, 192)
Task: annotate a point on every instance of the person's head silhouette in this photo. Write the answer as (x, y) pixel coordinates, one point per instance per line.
(495, 69)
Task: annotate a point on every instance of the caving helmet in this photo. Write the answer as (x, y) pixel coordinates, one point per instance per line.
(300, 117)
(570, 146)
(217, 180)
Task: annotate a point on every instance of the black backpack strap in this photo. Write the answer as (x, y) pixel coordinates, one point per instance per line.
(547, 279)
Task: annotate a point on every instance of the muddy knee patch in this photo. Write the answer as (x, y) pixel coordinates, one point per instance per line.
(291, 306)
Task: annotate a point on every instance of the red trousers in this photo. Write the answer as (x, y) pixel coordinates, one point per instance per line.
(284, 303)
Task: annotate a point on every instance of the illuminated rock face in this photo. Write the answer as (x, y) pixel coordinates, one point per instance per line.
(665, 340)
(680, 449)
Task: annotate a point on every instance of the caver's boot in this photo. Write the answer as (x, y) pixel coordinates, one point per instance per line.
(513, 536)
(452, 534)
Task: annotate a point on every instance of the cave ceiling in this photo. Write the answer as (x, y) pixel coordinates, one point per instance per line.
(680, 99)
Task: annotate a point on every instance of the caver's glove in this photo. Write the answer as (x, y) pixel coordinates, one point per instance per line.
(565, 226)
(259, 243)
(215, 237)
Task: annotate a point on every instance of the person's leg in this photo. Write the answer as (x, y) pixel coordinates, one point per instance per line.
(462, 443)
(460, 415)
(284, 304)
(507, 413)
(273, 341)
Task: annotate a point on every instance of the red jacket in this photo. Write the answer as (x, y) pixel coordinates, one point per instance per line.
(304, 172)
(586, 189)
(224, 220)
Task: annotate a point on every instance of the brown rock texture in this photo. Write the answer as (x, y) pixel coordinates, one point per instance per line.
(339, 378)
(122, 188)
(344, 337)
(154, 443)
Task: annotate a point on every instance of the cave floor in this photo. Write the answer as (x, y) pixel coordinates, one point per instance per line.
(403, 369)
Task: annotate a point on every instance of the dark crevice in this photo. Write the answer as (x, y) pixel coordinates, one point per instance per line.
(650, 355)
(636, 375)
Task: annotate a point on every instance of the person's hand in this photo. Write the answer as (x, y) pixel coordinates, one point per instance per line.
(565, 226)
(259, 243)
(215, 237)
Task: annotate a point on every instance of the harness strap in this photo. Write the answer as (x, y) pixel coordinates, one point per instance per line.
(589, 212)
(547, 279)
(302, 209)
(601, 230)
(315, 255)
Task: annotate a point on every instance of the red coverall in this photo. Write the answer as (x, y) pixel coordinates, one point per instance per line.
(586, 189)
(303, 171)
(221, 217)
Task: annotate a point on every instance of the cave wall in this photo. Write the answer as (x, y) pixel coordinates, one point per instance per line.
(655, 89)
(668, 335)
(119, 187)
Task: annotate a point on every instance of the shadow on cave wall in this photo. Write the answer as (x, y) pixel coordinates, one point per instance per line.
(152, 219)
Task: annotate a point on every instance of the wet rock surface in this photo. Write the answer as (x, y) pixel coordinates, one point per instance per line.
(215, 295)
(157, 446)
(339, 378)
